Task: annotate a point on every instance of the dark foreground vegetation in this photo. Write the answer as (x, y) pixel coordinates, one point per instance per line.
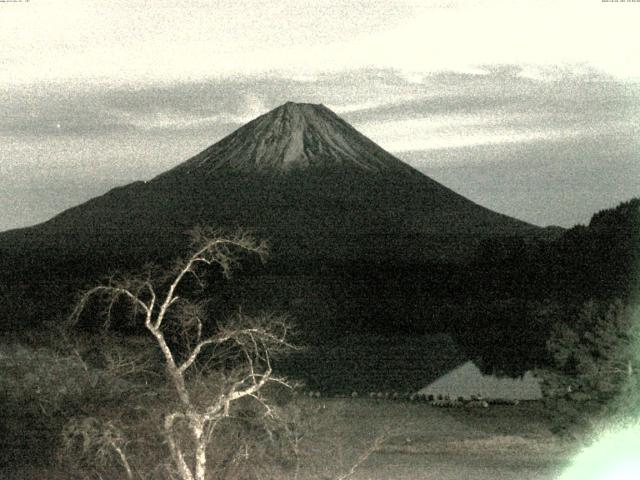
(66, 417)
(355, 438)
(93, 398)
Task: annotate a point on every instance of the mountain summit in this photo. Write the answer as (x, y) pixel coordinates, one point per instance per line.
(294, 136)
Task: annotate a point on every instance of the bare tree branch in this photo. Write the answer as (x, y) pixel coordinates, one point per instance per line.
(193, 355)
(245, 339)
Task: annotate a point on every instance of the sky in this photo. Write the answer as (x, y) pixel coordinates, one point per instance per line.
(530, 108)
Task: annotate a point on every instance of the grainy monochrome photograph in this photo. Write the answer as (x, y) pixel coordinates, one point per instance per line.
(319, 239)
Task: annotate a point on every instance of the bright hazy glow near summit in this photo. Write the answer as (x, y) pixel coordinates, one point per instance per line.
(530, 108)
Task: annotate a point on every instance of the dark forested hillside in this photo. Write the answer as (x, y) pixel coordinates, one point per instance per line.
(521, 290)
(599, 260)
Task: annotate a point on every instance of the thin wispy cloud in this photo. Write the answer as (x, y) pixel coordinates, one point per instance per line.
(362, 96)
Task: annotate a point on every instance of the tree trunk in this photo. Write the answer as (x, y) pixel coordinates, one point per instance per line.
(201, 451)
(176, 453)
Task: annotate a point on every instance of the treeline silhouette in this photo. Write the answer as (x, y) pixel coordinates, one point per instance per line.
(500, 304)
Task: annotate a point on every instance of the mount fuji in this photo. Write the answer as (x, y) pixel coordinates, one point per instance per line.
(299, 176)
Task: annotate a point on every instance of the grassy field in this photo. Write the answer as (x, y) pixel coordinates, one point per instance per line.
(385, 439)
(41, 388)
(425, 442)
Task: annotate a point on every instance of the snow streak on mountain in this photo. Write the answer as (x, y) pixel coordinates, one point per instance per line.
(294, 136)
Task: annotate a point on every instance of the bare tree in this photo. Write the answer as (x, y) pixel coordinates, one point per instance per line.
(239, 350)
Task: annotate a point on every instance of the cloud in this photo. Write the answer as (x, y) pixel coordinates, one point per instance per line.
(496, 105)
(123, 42)
(119, 42)
(36, 110)
(501, 106)
(560, 181)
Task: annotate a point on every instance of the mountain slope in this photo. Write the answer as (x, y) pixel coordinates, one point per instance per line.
(296, 174)
(299, 176)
